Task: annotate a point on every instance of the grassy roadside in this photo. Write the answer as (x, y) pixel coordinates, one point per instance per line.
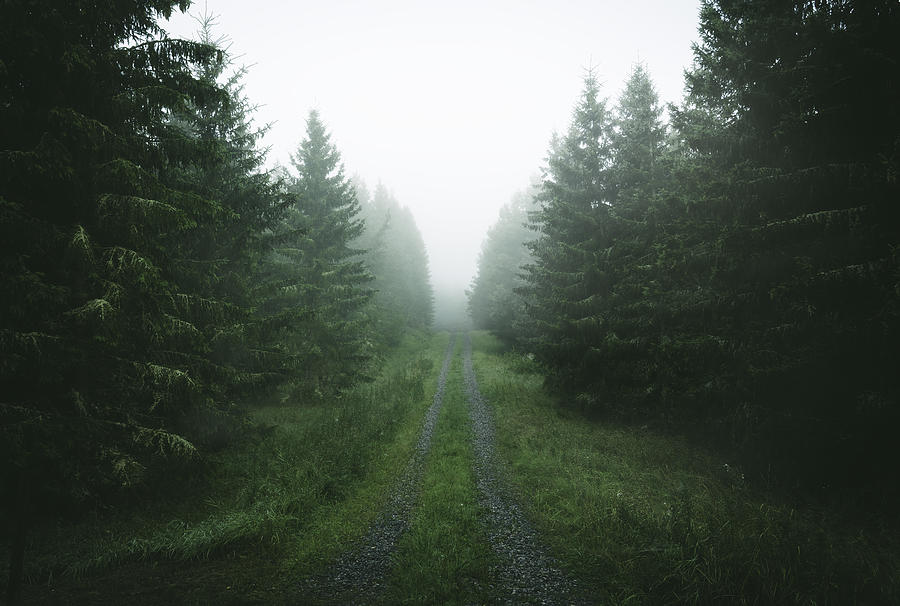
(643, 518)
(276, 506)
(331, 529)
(444, 557)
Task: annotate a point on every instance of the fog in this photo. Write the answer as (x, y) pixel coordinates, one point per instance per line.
(451, 105)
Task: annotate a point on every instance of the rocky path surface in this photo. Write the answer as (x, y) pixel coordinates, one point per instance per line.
(526, 574)
(358, 576)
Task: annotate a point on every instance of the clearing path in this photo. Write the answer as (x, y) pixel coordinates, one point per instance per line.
(526, 573)
(358, 576)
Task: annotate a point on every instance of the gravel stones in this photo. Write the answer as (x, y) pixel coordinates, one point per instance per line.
(526, 574)
(358, 576)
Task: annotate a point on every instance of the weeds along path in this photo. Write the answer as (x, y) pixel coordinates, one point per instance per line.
(358, 576)
(526, 573)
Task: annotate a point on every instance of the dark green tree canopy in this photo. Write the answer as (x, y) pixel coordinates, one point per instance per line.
(736, 277)
(89, 219)
(638, 141)
(574, 227)
(325, 196)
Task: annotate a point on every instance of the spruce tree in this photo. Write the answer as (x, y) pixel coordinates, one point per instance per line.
(221, 259)
(400, 267)
(792, 116)
(320, 295)
(638, 144)
(619, 370)
(97, 341)
(575, 232)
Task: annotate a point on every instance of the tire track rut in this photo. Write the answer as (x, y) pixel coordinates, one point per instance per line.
(526, 573)
(358, 576)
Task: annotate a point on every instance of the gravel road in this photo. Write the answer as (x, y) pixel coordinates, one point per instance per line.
(526, 573)
(357, 577)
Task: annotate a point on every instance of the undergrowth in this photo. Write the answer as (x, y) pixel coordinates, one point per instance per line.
(269, 490)
(645, 518)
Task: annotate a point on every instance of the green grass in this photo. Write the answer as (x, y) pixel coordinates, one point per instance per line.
(291, 496)
(331, 529)
(444, 557)
(637, 517)
(645, 518)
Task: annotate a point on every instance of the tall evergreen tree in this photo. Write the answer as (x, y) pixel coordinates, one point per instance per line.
(794, 106)
(399, 263)
(400, 266)
(575, 231)
(618, 352)
(638, 143)
(220, 260)
(96, 331)
(321, 281)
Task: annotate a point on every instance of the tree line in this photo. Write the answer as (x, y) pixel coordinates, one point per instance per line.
(731, 272)
(157, 278)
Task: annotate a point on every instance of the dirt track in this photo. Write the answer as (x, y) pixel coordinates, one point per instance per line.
(526, 573)
(358, 576)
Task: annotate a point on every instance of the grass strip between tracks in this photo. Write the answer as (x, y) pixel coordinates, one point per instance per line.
(444, 557)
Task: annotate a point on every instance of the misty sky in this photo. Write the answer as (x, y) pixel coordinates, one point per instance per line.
(450, 104)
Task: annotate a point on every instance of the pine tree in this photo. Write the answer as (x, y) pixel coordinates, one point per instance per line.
(618, 369)
(219, 262)
(321, 293)
(96, 338)
(792, 117)
(398, 261)
(575, 233)
(638, 143)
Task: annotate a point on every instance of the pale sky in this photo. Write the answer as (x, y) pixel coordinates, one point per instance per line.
(450, 104)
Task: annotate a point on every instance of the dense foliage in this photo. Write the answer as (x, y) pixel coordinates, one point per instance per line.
(738, 276)
(318, 281)
(734, 274)
(156, 277)
(103, 311)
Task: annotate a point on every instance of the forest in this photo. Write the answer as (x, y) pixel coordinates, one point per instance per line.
(223, 381)
(733, 273)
